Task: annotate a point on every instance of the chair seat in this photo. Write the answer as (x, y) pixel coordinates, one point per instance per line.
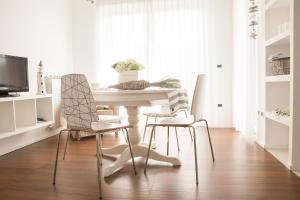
(102, 127)
(160, 114)
(110, 118)
(174, 121)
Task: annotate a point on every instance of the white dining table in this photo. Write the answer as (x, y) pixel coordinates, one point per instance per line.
(132, 100)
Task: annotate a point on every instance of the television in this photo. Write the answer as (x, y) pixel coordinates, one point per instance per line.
(13, 75)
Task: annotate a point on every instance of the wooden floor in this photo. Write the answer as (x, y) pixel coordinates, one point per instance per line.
(242, 170)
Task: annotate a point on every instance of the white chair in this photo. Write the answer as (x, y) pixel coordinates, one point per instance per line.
(157, 115)
(196, 116)
(104, 115)
(79, 110)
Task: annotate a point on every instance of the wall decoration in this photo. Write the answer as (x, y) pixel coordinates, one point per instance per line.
(91, 1)
(253, 22)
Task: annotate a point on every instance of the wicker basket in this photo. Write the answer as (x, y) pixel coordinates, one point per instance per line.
(280, 66)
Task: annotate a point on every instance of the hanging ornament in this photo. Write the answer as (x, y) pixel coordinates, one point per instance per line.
(253, 9)
(91, 1)
(40, 80)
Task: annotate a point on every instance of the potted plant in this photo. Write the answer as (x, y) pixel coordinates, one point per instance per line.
(127, 70)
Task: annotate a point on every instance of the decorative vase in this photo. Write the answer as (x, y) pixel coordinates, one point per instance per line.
(40, 80)
(128, 76)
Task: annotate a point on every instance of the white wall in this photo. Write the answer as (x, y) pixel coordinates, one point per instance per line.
(222, 44)
(84, 40)
(39, 30)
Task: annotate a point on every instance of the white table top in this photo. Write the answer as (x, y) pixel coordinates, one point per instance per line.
(147, 97)
(117, 91)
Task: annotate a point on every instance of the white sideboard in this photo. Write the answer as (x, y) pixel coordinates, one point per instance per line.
(280, 30)
(22, 114)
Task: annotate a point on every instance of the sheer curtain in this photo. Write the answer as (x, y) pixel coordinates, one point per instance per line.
(169, 37)
(244, 69)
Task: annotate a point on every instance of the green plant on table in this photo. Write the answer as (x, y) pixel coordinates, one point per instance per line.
(128, 65)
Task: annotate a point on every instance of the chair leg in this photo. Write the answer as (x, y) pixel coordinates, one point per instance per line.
(132, 157)
(153, 129)
(99, 168)
(57, 152)
(177, 139)
(189, 128)
(66, 145)
(100, 148)
(195, 152)
(145, 128)
(168, 140)
(124, 134)
(191, 134)
(211, 147)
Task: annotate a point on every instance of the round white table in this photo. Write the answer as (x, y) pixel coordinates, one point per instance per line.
(132, 100)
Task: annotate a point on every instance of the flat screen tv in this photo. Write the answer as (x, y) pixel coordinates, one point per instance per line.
(13, 75)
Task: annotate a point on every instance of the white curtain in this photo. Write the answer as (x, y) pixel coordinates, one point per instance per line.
(244, 71)
(166, 36)
(169, 37)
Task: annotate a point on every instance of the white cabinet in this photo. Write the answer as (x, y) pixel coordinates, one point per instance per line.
(280, 33)
(25, 113)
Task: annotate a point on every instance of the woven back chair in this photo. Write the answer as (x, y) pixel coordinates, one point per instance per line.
(79, 110)
(77, 101)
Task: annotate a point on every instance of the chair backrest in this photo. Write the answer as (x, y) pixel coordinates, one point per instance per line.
(78, 104)
(198, 98)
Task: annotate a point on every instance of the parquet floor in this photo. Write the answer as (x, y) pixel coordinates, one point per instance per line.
(243, 170)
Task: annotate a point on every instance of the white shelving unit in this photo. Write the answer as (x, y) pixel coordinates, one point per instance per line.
(280, 135)
(20, 114)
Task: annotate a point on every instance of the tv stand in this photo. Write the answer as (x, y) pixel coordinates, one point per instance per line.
(2, 95)
(22, 114)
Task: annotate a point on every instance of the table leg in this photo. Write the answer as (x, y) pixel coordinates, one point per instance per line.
(133, 119)
(138, 149)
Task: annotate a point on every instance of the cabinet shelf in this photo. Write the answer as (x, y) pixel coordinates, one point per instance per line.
(272, 4)
(277, 118)
(25, 97)
(280, 39)
(282, 155)
(279, 78)
(22, 129)
(19, 114)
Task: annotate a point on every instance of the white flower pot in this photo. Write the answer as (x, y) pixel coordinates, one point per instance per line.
(128, 76)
